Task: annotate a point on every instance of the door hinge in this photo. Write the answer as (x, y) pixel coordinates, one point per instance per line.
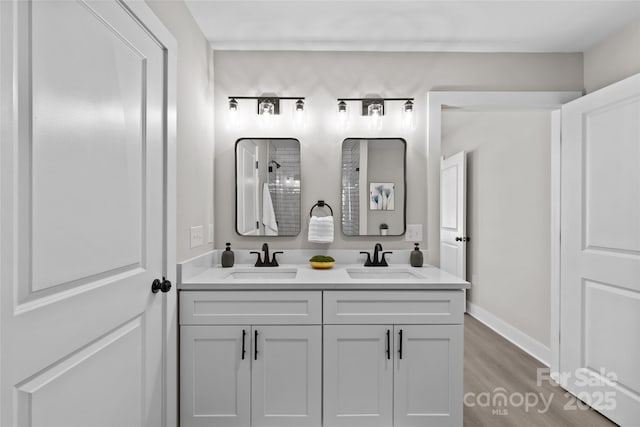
(257, 225)
(256, 165)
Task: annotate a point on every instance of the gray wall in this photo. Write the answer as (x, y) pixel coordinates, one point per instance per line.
(195, 125)
(324, 76)
(508, 212)
(613, 59)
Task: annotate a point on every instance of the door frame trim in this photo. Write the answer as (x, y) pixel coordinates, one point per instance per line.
(478, 100)
(143, 13)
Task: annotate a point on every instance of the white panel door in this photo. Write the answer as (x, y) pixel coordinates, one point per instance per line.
(600, 250)
(247, 204)
(453, 215)
(83, 133)
(215, 376)
(358, 376)
(428, 376)
(286, 376)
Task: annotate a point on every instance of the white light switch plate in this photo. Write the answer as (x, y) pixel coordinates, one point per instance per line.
(413, 233)
(197, 236)
(210, 236)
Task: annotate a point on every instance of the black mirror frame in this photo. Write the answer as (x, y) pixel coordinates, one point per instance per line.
(235, 177)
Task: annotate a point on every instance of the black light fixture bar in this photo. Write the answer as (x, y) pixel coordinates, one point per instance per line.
(375, 99)
(366, 102)
(275, 100)
(265, 97)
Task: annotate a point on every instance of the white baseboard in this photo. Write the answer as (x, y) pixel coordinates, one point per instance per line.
(531, 346)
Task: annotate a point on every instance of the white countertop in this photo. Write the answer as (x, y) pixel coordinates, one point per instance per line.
(422, 278)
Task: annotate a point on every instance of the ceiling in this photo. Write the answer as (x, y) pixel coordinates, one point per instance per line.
(399, 25)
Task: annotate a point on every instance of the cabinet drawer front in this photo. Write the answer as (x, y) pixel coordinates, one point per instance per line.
(264, 308)
(388, 307)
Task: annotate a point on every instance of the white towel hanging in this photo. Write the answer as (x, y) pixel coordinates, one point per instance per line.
(268, 214)
(321, 229)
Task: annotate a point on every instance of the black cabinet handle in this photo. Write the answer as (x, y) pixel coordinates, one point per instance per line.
(244, 350)
(255, 345)
(400, 345)
(388, 344)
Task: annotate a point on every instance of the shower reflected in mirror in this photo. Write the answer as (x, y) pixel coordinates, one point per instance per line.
(268, 187)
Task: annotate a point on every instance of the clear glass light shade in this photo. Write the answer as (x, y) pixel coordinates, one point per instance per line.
(375, 116)
(408, 120)
(233, 118)
(343, 117)
(266, 108)
(299, 119)
(408, 116)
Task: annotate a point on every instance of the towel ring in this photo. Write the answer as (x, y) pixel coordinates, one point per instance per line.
(320, 204)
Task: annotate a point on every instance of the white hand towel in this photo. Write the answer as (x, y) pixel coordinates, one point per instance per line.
(321, 229)
(268, 214)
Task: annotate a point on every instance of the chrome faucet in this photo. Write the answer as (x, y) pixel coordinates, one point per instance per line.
(382, 262)
(264, 261)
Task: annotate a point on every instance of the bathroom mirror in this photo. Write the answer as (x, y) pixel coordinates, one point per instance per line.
(268, 187)
(373, 186)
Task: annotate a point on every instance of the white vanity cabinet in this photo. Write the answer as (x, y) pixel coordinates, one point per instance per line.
(275, 382)
(393, 358)
(215, 379)
(321, 358)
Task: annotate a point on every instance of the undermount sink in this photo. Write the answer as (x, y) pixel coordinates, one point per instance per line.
(260, 274)
(380, 273)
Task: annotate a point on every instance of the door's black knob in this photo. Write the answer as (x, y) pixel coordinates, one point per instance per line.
(160, 285)
(462, 239)
(458, 239)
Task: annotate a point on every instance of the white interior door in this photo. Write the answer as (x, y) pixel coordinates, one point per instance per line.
(286, 376)
(83, 128)
(600, 250)
(453, 215)
(248, 191)
(358, 376)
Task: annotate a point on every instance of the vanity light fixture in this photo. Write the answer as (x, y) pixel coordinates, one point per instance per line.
(269, 105)
(374, 108)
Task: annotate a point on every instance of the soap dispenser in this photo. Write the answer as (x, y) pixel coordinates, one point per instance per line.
(416, 258)
(227, 256)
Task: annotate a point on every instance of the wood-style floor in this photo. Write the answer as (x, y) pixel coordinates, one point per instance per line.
(493, 364)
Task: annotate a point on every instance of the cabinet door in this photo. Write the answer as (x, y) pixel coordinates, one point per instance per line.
(358, 376)
(286, 376)
(215, 388)
(428, 375)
